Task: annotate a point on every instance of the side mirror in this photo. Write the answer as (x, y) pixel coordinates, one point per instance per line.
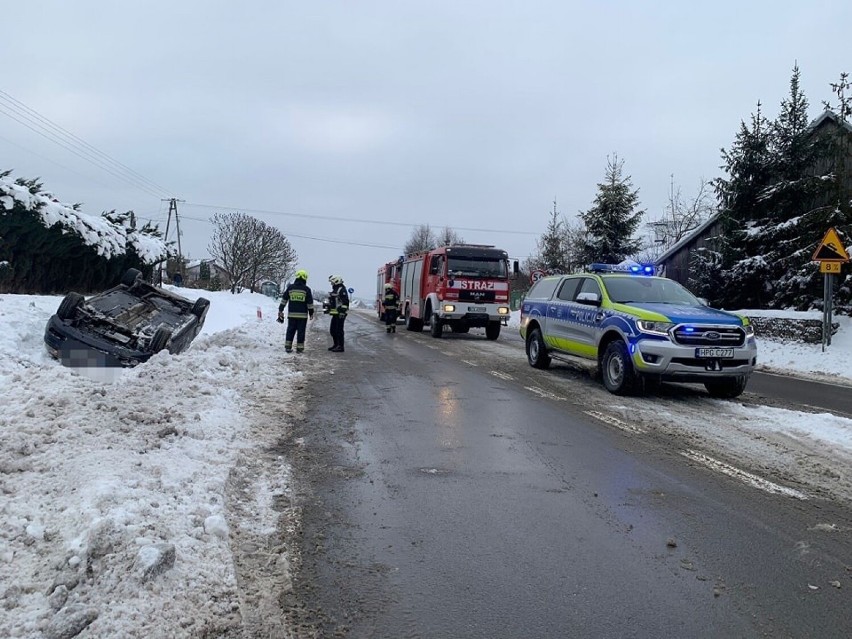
(515, 267)
(590, 299)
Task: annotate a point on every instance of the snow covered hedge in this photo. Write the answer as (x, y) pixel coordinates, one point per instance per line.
(50, 247)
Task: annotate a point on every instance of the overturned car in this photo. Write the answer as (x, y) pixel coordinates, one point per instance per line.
(124, 325)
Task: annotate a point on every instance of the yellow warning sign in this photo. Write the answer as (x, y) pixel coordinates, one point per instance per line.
(830, 249)
(830, 267)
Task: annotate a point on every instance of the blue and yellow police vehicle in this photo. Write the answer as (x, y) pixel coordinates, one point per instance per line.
(637, 327)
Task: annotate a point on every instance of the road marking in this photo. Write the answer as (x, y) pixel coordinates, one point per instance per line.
(742, 475)
(502, 375)
(543, 393)
(469, 363)
(614, 421)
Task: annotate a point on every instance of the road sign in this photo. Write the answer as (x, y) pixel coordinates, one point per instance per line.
(830, 267)
(536, 275)
(830, 249)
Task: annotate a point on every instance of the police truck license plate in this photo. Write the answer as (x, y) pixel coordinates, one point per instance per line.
(714, 353)
(476, 309)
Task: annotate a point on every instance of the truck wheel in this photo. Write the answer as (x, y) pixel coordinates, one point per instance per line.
(617, 369)
(436, 328)
(413, 323)
(69, 305)
(131, 276)
(727, 387)
(536, 350)
(492, 330)
(160, 340)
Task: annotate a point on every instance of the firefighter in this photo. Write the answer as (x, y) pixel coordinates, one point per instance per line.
(301, 301)
(390, 306)
(338, 307)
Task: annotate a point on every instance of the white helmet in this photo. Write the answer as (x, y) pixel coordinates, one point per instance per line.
(335, 279)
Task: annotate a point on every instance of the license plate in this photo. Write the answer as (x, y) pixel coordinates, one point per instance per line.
(714, 353)
(476, 309)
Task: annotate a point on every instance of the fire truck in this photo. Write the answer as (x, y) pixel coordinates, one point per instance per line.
(388, 273)
(462, 286)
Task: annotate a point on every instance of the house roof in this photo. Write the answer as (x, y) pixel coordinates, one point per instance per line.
(828, 114)
(686, 239)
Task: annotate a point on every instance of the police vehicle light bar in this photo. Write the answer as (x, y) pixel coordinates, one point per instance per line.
(631, 268)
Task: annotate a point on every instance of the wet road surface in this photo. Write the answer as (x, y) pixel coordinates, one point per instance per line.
(442, 498)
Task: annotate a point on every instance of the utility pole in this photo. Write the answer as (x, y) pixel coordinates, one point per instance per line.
(173, 209)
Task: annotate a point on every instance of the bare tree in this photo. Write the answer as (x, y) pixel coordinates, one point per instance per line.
(681, 216)
(250, 250)
(422, 239)
(448, 237)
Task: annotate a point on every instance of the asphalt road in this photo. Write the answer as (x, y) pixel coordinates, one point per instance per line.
(442, 498)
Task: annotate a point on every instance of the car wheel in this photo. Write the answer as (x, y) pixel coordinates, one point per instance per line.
(617, 371)
(199, 309)
(436, 328)
(536, 350)
(492, 330)
(727, 387)
(160, 340)
(69, 305)
(131, 276)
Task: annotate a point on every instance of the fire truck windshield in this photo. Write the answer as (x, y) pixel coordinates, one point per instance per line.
(458, 266)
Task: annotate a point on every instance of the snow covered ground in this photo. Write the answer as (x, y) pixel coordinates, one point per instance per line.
(105, 478)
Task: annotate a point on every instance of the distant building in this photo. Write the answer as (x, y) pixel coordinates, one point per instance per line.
(674, 262)
(198, 272)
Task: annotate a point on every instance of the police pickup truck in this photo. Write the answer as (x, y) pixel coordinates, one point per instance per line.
(638, 328)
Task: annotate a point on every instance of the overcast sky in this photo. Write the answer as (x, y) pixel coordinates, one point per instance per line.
(328, 116)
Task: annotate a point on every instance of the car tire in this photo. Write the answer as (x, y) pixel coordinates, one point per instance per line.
(160, 340)
(436, 328)
(69, 305)
(617, 371)
(200, 308)
(726, 387)
(537, 351)
(131, 276)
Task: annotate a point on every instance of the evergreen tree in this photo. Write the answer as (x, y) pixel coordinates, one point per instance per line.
(839, 215)
(558, 248)
(741, 268)
(774, 207)
(613, 219)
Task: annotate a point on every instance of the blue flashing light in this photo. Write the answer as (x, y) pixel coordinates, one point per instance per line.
(689, 329)
(631, 268)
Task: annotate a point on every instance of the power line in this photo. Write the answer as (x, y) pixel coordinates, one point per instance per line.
(58, 135)
(309, 237)
(349, 219)
(63, 144)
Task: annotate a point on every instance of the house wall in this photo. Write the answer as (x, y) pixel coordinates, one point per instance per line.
(676, 267)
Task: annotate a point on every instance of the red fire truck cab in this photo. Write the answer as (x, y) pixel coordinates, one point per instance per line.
(462, 286)
(388, 273)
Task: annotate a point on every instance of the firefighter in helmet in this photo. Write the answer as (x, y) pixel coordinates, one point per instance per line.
(301, 301)
(338, 307)
(390, 307)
